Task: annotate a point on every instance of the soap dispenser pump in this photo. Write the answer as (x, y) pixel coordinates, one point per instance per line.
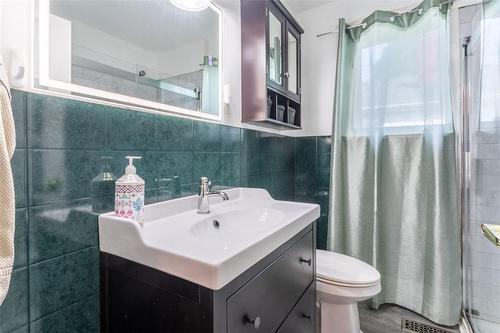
(129, 193)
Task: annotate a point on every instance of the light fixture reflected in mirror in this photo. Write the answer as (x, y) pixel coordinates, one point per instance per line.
(191, 5)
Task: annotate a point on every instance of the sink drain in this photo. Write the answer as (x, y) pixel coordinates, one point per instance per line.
(216, 224)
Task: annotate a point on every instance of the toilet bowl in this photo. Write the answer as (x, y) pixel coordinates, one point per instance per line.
(342, 282)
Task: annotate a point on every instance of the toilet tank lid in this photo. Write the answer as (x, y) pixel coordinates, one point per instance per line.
(337, 267)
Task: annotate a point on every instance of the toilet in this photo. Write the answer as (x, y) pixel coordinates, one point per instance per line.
(342, 282)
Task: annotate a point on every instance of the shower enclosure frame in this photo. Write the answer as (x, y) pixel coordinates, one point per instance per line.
(464, 157)
(469, 147)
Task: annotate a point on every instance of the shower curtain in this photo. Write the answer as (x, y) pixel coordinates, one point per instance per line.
(394, 193)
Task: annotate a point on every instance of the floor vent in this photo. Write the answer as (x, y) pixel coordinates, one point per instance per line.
(412, 326)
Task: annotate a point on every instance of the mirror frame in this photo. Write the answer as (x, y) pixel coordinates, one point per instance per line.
(46, 83)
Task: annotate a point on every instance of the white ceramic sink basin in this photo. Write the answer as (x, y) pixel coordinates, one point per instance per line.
(210, 249)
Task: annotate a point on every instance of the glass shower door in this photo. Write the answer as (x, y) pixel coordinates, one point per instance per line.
(482, 127)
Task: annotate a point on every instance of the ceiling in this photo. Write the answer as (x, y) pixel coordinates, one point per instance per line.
(155, 25)
(299, 6)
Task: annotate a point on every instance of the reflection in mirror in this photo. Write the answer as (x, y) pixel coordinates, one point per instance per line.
(150, 50)
(292, 63)
(274, 51)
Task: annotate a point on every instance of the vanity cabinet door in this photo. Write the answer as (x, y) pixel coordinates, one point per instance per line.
(302, 319)
(264, 302)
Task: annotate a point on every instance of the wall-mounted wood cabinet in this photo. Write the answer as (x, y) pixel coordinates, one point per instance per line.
(270, 63)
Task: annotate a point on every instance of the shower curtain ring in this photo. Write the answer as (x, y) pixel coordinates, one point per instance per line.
(391, 18)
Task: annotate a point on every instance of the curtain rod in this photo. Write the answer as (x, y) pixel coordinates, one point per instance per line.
(363, 25)
(348, 28)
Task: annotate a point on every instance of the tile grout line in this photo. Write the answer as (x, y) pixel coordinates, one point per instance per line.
(27, 215)
(43, 261)
(62, 308)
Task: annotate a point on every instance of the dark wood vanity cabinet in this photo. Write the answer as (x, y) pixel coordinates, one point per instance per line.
(278, 294)
(271, 58)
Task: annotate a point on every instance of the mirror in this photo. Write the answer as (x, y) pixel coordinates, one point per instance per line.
(151, 53)
(292, 63)
(275, 49)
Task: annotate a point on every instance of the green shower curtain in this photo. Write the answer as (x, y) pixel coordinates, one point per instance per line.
(394, 195)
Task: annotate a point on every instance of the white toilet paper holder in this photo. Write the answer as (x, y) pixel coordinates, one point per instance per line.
(15, 68)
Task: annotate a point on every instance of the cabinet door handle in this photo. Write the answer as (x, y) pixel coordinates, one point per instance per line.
(255, 322)
(306, 261)
(286, 74)
(306, 316)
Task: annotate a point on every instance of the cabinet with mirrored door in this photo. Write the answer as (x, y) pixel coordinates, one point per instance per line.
(271, 81)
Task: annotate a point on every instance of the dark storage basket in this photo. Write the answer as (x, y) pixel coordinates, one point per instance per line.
(291, 115)
(280, 113)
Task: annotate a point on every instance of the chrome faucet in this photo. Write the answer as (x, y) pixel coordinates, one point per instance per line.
(204, 194)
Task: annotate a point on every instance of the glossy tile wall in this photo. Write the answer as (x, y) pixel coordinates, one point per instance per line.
(68, 153)
(482, 257)
(312, 178)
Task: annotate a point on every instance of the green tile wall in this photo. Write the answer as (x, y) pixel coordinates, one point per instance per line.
(64, 147)
(312, 178)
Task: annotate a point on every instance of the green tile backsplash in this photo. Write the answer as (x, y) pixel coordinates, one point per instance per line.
(14, 310)
(61, 281)
(312, 178)
(65, 147)
(21, 238)
(79, 125)
(207, 137)
(80, 317)
(61, 228)
(174, 134)
(19, 174)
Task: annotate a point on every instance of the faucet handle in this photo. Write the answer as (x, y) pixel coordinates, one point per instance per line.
(205, 183)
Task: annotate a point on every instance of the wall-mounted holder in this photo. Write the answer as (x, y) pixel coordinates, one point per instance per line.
(14, 69)
(226, 94)
(3, 74)
(492, 232)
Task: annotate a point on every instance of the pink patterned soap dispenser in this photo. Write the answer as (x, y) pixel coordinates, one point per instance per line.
(129, 193)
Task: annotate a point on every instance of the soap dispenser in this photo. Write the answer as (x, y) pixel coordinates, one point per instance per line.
(129, 193)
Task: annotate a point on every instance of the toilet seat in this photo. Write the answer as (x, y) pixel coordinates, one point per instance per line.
(340, 284)
(343, 282)
(341, 270)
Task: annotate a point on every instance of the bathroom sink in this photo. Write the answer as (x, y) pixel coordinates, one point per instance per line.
(208, 249)
(230, 222)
